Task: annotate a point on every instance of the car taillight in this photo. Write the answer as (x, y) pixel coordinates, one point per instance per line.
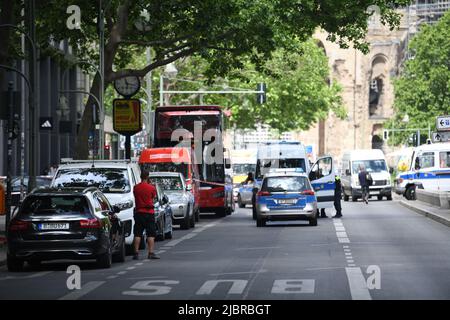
(308, 192)
(90, 223)
(263, 193)
(19, 225)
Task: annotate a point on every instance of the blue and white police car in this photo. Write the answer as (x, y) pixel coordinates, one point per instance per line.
(286, 195)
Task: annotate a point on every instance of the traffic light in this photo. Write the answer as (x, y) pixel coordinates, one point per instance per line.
(261, 96)
(385, 135)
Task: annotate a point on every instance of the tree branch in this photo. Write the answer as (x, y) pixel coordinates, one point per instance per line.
(156, 42)
(142, 72)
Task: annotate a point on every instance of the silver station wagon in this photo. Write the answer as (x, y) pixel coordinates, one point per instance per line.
(181, 199)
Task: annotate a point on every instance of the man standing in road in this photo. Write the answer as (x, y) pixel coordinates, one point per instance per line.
(144, 215)
(364, 183)
(337, 197)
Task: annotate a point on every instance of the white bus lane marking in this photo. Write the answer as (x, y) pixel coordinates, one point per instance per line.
(31, 276)
(293, 286)
(356, 281)
(85, 289)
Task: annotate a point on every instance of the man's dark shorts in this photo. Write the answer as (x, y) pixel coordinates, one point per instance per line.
(144, 221)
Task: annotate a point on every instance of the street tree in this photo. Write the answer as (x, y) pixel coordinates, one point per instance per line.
(225, 33)
(299, 90)
(422, 92)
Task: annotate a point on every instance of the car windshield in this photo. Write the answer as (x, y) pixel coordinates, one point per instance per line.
(108, 180)
(243, 168)
(168, 183)
(265, 165)
(36, 205)
(166, 167)
(286, 184)
(369, 165)
(40, 182)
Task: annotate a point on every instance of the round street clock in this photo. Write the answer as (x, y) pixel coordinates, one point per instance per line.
(127, 86)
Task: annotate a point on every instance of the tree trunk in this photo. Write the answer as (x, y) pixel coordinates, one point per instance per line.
(82, 145)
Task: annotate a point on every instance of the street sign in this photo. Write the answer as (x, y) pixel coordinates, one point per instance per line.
(46, 123)
(440, 136)
(443, 123)
(127, 118)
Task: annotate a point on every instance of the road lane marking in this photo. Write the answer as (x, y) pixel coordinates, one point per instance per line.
(31, 276)
(341, 234)
(293, 286)
(111, 277)
(121, 272)
(340, 229)
(344, 240)
(131, 268)
(357, 283)
(88, 287)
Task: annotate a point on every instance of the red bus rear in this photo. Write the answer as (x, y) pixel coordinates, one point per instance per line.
(199, 127)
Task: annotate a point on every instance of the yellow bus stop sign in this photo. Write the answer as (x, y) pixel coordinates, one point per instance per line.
(127, 118)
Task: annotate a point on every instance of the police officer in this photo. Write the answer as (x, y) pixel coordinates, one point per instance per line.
(337, 197)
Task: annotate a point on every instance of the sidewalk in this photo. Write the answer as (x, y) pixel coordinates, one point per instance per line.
(427, 210)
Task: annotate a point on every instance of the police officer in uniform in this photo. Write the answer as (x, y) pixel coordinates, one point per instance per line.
(337, 197)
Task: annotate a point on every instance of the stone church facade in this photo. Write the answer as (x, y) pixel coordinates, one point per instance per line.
(367, 90)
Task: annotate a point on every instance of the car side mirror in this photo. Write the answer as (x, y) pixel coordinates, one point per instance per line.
(116, 209)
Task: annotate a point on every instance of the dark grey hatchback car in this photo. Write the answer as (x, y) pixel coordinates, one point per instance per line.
(70, 224)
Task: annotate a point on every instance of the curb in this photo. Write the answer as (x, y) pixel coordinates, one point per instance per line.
(426, 213)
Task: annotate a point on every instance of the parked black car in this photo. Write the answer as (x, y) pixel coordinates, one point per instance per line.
(69, 223)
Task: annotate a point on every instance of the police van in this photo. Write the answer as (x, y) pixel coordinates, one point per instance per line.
(429, 169)
(293, 155)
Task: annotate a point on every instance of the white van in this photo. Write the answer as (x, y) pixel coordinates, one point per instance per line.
(374, 162)
(292, 155)
(429, 169)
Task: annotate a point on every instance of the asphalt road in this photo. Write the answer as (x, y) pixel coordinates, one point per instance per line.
(376, 251)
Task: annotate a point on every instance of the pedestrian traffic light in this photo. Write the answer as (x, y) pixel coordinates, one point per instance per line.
(385, 135)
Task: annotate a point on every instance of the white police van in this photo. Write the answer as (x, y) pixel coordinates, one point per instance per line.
(292, 155)
(429, 169)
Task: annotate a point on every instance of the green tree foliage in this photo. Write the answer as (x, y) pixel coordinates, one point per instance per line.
(423, 90)
(225, 33)
(298, 92)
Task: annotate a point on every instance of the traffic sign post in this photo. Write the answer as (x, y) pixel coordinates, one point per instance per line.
(440, 136)
(443, 123)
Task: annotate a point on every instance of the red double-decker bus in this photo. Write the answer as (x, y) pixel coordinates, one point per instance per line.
(198, 127)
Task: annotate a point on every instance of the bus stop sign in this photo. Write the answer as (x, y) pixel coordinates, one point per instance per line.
(127, 118)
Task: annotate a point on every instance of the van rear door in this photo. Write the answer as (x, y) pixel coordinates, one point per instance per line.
(322, 178)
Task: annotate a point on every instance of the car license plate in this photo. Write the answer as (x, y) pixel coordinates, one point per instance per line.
(54, 226)
(287, 201)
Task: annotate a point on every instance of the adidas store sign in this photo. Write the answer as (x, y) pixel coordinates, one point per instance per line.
(45, 123)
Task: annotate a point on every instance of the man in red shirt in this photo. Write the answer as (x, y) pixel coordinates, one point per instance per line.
(144, 215)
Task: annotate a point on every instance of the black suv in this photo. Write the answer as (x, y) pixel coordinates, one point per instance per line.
(69, 223)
